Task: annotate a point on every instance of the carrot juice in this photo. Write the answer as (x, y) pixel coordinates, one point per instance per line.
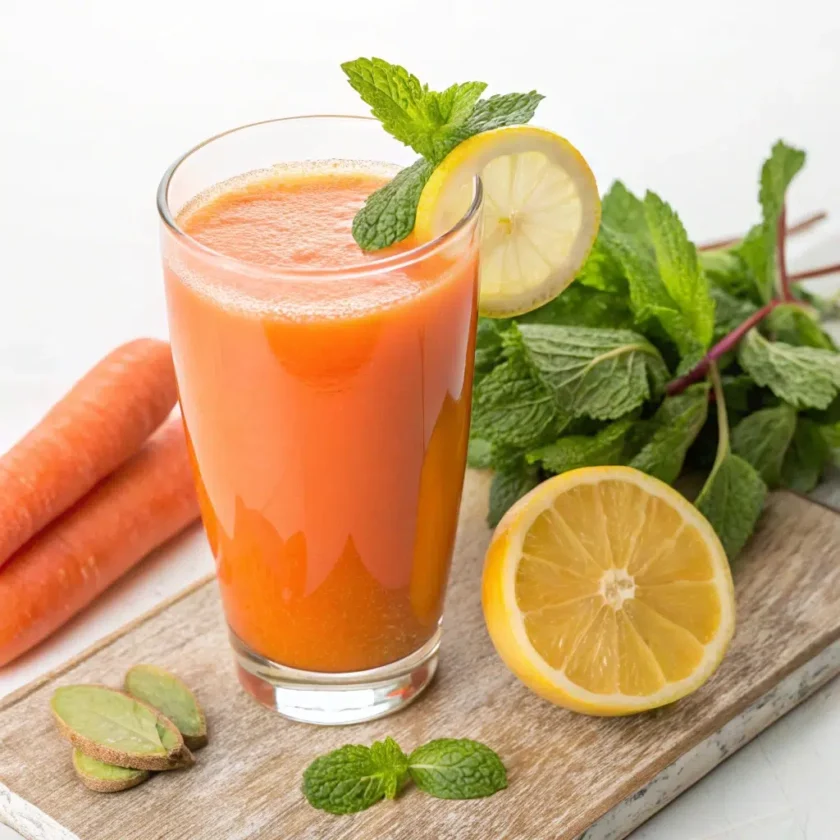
(326, 395)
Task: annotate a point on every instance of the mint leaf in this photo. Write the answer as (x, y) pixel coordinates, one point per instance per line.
(831, 435)
(733, 496)
(649, 299)
(793, 324)
(388, 214)
(730, 311)
(732, 500)
(498, 111)
(622, 211)
(622, 216)
(677, 423)
(426, 121)
(479, 454)
(598, 373)
(806, 459)
(583, 306)
(804, 377)
(739, 391)
(355, 777)
(488, 346)
(602, 269)
(762, 439)
(510, 483)
(759, 247)
(450, 768)
(392, 762)
(727, 271)
(575, 451)
(679, 270)
(512, 407)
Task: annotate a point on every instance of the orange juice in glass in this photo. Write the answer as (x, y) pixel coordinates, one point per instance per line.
(326, 397)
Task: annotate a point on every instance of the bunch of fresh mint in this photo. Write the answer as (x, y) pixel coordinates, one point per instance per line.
(432, 124)
(355, 777)
(670, 360)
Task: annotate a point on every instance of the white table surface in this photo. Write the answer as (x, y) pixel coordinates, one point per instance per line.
(98, 97)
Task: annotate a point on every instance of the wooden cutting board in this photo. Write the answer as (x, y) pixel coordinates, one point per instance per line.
(570, 776)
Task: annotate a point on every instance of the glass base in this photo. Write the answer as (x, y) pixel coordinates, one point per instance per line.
(336, 699)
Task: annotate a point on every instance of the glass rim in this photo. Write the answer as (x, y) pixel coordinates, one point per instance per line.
(387, 263)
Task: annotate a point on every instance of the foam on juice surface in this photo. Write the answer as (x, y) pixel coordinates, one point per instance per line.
(290, 229)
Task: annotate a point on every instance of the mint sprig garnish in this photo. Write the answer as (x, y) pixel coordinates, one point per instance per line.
(619, 368)
(354, 777)
(430, 122)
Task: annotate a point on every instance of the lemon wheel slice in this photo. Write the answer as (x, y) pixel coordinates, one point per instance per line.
(606, 592)
(541, 213)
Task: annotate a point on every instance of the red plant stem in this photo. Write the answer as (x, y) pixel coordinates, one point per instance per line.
(781, 258)
(799, 227)
(815, 272)
(727, 343)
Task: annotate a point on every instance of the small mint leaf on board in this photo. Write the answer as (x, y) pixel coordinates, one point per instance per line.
(676, 424)
(388, 214)
(679, 270)
(575, 451)
(598, 373)
(418, 117)
(807, 457)
(732, 500)
(763, 438)
(510, 483)
(804, 377)
(451, 768)
(512, 407)
(354, 777)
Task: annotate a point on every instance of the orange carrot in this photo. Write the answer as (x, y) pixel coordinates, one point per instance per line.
(58, 573)
(100, 423)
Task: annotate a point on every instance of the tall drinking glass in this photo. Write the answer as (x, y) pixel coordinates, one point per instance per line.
(327, 408)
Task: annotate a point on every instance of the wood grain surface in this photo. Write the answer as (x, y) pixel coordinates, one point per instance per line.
(565, 770)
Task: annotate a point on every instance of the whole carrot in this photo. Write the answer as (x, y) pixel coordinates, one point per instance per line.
(58, 573)
(102, 421)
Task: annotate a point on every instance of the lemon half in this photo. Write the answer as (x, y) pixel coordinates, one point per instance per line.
(607, 592)
(541, 213)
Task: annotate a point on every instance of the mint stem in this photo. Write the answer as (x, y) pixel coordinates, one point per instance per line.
(727, 343)
(800, 227)
(723, 420)
(822, 271)
(781, 258)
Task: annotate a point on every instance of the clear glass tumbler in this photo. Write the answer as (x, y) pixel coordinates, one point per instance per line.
(327, 412)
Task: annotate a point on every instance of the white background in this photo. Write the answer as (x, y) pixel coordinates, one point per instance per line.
(97, 98)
